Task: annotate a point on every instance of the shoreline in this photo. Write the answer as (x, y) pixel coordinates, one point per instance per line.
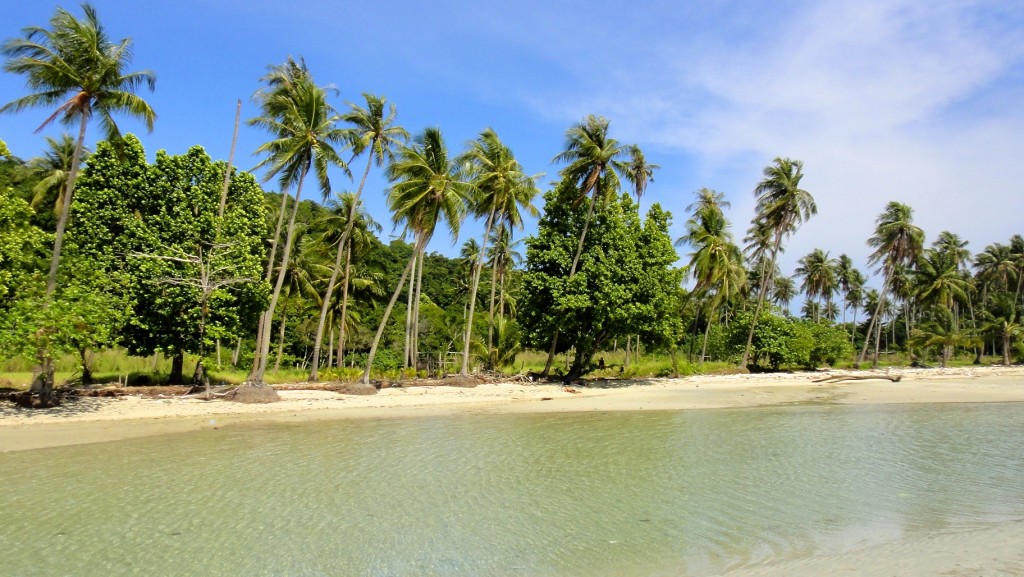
(97, 419)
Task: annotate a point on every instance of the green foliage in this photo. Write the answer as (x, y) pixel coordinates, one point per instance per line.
(624, 284)
(831, 344)
(151, 231)
(21, 246)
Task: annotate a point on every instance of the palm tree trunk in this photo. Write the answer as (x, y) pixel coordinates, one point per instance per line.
(280, 339)
(322, 322)
(490, 313)
(501, 291)
(766, 279)
(236, 352)
(572, 273)
(704, 348)
(257, 378)
(387, 313)
(874, 320)
(227, 171)
(62, 218)
(474, 286)
(330, 347)
(42, 384)
(257, 353)
(344, 308)
(408, 313)
(878, 344)
(416, 307)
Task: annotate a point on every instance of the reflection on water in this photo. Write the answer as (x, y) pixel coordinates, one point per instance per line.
(665, 493)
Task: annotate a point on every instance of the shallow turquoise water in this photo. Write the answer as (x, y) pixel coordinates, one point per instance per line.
(662, 493)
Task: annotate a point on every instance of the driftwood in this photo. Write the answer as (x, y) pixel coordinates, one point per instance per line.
(841, 378)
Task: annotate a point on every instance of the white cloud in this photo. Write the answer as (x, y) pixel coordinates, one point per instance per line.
(909, 101)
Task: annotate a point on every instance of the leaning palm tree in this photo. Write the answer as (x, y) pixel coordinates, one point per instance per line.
(74, 66)
(374, 132)
(428, 188)
(305, 135)
(897, 243)
(53, 169)
(781, 207)
(500, 189)
(594, 162)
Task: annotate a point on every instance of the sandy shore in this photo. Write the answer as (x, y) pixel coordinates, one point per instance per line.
(91, 420)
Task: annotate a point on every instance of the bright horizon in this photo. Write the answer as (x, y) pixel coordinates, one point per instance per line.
(918, 103)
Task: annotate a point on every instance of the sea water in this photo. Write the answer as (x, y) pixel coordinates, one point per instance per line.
(680, 493)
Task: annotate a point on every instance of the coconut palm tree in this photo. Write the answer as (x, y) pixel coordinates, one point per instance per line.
(819, 274)
(716, 263)
(637, 170)
(503, 255)
(853, 296)
(950, 245)
(295, 110)
(53, 169)
(996, 269)
(299, 284)
(74, 66)
(351, 239)
(897, 243)
(500, 189)
(944, 335)
(428, 188)
(594, 162)
(783, 291)
(938, 280)
(372, 131)
(781, 207)
(1006, 329)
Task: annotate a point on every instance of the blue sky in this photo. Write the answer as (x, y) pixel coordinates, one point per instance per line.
(920, 102)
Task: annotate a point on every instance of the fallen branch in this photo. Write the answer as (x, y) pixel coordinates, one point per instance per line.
(841, 378)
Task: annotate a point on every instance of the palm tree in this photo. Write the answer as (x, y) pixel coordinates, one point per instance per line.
(74, 66)
(1005, 329)
(637, 170)
(428, 188)
(819, 274)
(783, 291)
(500, 189)
(781, 207)
(996, 268)
(503, 254)
(938, 280)
(375, 132)
(954, 248)
(53, 169)
(944, 335)
(853, 296)
(296, 112)
(845, 277)
(300, 277)
(351, 239)
(593, 163)
(897, 243)
(716, 263)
